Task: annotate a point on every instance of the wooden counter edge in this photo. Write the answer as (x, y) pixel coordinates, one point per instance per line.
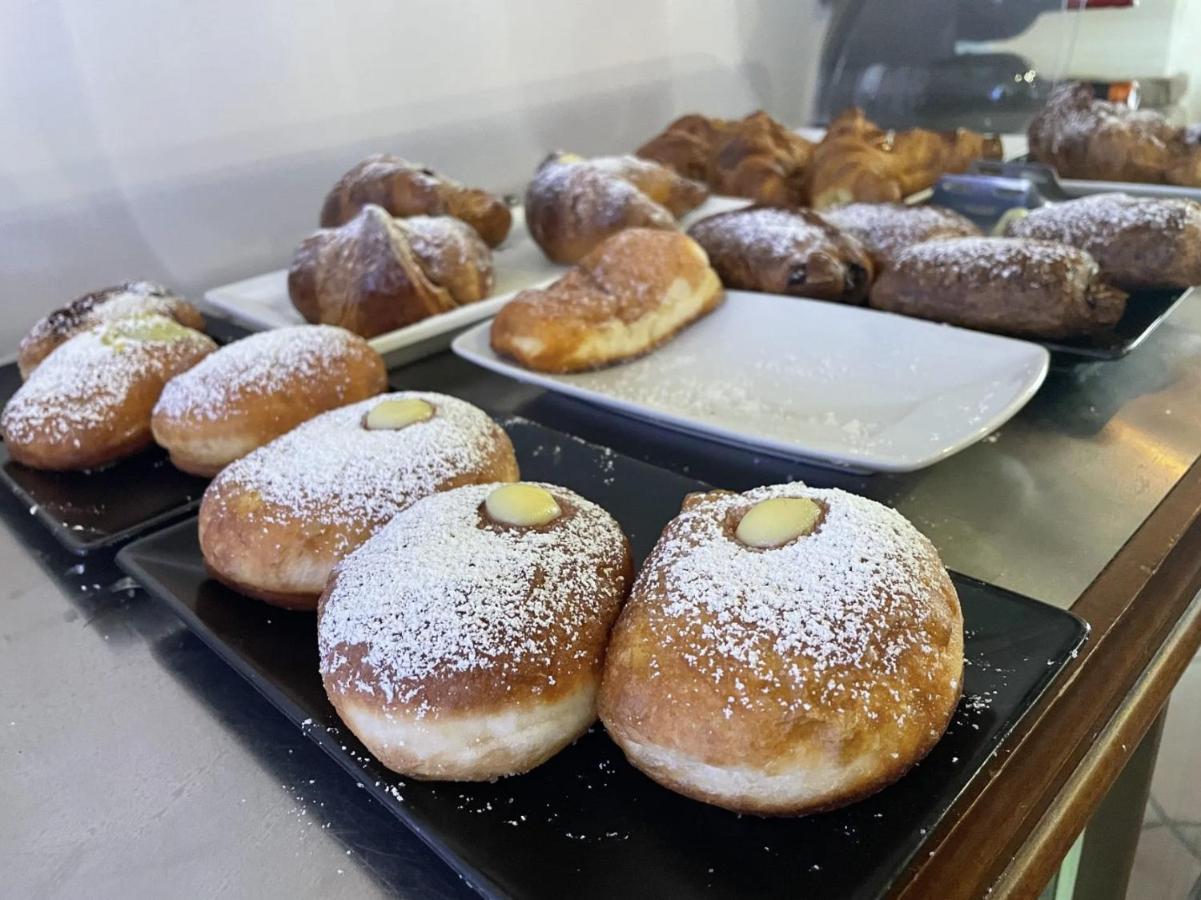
(1006, 835)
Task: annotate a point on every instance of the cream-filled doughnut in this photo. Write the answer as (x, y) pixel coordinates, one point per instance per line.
(274, 523)
(89, 402)
(253, 390)
(784, 651)
(465, 640)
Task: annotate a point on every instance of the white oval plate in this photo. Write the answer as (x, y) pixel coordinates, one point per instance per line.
(837, 385)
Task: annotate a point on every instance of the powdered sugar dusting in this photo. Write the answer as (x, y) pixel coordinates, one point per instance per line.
(333, 467)
(887, 228)
(80, 385)
(769, 231)
(986, 259)
(266, 363)
(817, 606)
(1096, 220)
(437, 591)
(106, 305)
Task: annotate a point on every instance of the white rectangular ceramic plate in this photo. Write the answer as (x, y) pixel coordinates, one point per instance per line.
(837, 385)
(262, 302)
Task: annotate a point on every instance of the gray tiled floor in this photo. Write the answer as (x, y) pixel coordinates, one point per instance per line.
(1168, 862)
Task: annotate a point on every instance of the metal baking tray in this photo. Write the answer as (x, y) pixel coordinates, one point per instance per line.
(1145, 312)
(586, 824)
(86, 511)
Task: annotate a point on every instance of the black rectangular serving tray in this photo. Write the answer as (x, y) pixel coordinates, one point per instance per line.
(86, 511)
(586, 824)
(1145, 312)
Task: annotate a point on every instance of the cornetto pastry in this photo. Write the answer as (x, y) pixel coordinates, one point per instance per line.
(1140, 243)
(628, 296)
(465, 640)
(1084, 137)
(858, 161)
(101, 306)
(784, 651)
(885, 229)
(573, 204)
(274, 523)
(88, 403)
(1015, 286)
(754, 157)
(785, 251)
(406, 189)
(377, 273)
(253, 390)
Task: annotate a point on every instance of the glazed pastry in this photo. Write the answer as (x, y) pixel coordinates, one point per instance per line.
(628, 296)
(465, 640)
(754, 157)
(253, 390)
(1015, 286)
(858, 161)
(784, 651)
(376, 274)
(88, 403)
(406, 189)
(573, 204)
(274, 523)
(885, 229)
(785, 251)
(101, 306)
(1140, 243)
(1087, 138)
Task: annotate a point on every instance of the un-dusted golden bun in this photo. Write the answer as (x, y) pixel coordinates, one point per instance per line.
(788, 680)
(88, 403)
(274, 523)
(457, 647)
(634, 292)
(251, 391)
(96, 308)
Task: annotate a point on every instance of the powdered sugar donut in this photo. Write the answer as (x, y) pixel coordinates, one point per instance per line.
(784, 651)
(458, 645)
(88, 403)
(253, 390)
(274, 523)
(105, 305)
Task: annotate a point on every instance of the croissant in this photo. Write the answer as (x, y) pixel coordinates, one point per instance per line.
(406, 189)
(377, 273)
(573, 203)
(1083, 137)
(857, 161)
(754, 157)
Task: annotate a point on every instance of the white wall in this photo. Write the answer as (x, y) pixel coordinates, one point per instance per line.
(193, 142)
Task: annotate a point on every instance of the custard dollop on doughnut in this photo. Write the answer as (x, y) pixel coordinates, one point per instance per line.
(456, 647)
(522, 505)
(274, 523)
(89, 403)
(253, 390)
(787, 679)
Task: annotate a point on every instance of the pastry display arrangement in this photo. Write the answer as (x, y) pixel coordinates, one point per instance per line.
(1091, 139)
(758, 158)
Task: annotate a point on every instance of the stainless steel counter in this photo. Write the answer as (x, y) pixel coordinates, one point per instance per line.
(134, 763)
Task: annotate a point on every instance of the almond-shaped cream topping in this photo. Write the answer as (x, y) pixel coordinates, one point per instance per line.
(522, 504)
(390, 415)
(775, 522)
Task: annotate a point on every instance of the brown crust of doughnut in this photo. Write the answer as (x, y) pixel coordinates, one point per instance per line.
(653, 700)
(254, 414)
(288, 560)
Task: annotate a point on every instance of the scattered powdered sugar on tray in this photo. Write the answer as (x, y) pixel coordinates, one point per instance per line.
(437, 590)
(332, 466)
(85, 380)
(816, 607)
(262, 364)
